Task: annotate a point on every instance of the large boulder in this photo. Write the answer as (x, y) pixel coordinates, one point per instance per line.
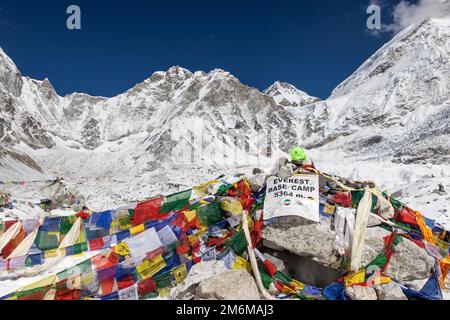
(361, 293)
(390, 291)
(198, 273)
(409, 262)
(304, 238)
(236, 284)
(316, 242)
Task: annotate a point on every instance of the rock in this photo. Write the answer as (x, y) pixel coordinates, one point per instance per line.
(198, 273)
(397, 194)
(286, 171)
(409, 262)
(316, 242)
(236, 284)
(390, 291)
(441, 191)
(304, 238)
(257, 181)
(415, 284)
(361, 293)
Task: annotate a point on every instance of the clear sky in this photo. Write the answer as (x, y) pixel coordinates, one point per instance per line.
(314, 45)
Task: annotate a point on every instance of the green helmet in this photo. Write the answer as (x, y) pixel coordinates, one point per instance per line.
(297, 154)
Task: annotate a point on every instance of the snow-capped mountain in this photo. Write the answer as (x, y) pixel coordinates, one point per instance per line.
(287, 95)
(396, 106)
(174, 124)
(178, 128)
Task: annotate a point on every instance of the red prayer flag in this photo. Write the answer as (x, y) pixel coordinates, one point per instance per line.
(147, 211)
(146, 286)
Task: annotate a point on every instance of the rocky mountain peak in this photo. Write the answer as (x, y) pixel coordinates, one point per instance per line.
(287, 95)
(10, 77)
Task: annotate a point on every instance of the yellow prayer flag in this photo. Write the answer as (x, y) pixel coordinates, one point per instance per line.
(151, 267)
(87, 279)
(250, 222)
(48, 281)
(122, 249)
(180, 273)
(164, 292)
(355, 278)
(138, 229)
(194, 238)
(114, 228)
(190, 215)
(79, 255)
(201, 190)
(232, 206)
(297, 285)
(329, 208)
(51, 253)
(241, 263)
(287, 289)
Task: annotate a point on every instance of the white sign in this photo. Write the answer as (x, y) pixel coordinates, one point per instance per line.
(294, 196)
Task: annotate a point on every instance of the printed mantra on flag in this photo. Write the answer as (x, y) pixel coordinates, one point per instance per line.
(297, 196)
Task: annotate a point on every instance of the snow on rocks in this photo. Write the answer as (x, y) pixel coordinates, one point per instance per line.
(198, 273)
(235, 284)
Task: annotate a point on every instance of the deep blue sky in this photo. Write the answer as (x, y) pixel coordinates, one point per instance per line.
(312, 44)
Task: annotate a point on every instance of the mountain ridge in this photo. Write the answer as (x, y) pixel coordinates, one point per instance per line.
(181, 127)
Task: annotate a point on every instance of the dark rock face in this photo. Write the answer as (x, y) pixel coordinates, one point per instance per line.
(20, 157)
(36, 136)
(91, 134)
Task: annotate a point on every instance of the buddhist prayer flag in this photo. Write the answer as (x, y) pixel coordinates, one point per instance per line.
(210, 213)
(176, 201)
(143, 243)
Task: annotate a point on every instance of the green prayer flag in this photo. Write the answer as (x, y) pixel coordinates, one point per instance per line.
(380, 261)
(224, 188)
(395, 203)
(176, 201)
(210, 214)
(47, 240)
(33, 294)
(357, 195)
(151, 295)
(79, 248)
(266, 279)
(79, 269)
(194, 206)
(283, 278)
(163, 280)
(66, 224)
(239, 243)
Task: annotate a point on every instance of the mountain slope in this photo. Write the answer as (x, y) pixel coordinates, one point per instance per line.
(396, 105)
